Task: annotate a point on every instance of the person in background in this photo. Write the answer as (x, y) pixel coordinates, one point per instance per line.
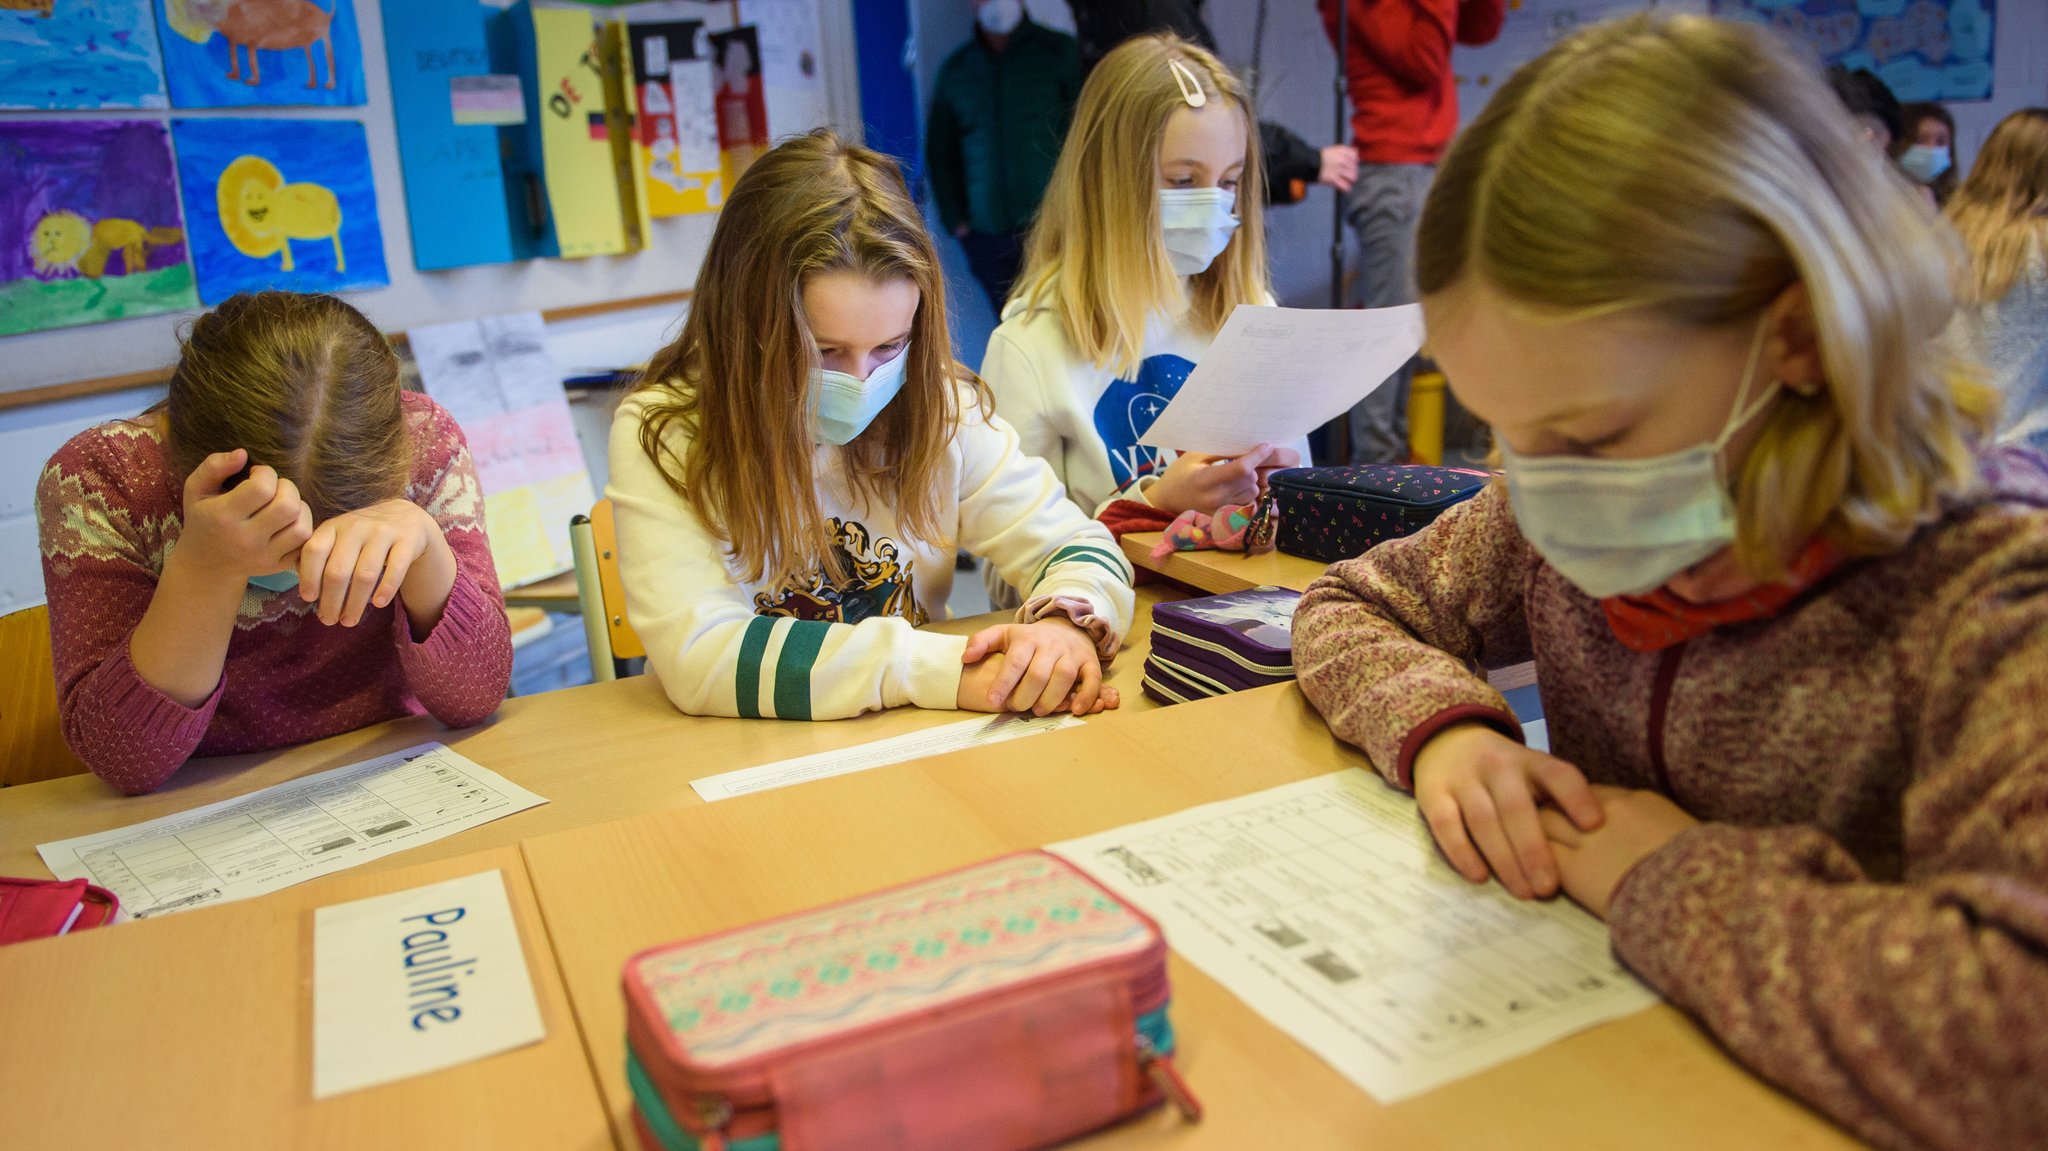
(1788, 605)
(1291, 163)
(2001, 212)
(289, 546)
(1926, 149)
(1404, 110)
(1871, 103)
(999, 113)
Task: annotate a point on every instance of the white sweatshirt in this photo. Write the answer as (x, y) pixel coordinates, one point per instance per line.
(802, 648)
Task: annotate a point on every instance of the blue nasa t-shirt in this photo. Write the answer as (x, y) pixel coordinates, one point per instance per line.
(1128, 407)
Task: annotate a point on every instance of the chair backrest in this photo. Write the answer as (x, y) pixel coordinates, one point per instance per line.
(595, 541)
(32, 743)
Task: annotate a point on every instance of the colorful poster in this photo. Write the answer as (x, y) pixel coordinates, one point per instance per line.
(66, 54)
(740, 100)
(621, 109)
(559, 163)
(792, 79)
(89, 224)
(251, 53)
(677, 128)
(447, 105)
(285, 204)
(1921, 49)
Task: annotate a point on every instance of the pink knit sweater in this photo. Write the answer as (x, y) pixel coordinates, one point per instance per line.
(110, 509)
(1863, 915)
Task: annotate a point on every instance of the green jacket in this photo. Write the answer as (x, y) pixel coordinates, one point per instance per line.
(996, 125)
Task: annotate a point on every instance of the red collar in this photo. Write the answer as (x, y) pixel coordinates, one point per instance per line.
(1661, 619)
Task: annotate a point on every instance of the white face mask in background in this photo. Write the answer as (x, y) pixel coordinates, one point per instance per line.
(1196, 224)
(1625, 527)
(1925, 164)
(1000, 17)
(842, 405)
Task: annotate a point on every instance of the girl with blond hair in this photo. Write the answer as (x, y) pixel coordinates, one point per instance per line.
(289, 546)
(1143, 247)
(1788, 611)
(2001, 212)
(795, 471)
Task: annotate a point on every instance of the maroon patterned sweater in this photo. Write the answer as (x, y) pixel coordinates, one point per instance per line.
(1863, 915)
(109, 509)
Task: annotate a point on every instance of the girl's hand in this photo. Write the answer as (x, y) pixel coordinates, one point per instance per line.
(1197, 481)
(361, 559)
(1594, 862)
(1044, 667)
(251, 529)
(1477, 786)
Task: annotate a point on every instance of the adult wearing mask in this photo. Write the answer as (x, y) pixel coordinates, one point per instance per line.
(999, 114)
(1404, 111)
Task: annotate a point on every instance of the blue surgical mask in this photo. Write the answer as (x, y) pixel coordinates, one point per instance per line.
(1625, 527)
(842, 406)
(1925, 164)
(1196, 224)
(285, 580)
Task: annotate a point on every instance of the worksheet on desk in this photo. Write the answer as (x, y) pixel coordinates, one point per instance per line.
(1325, 907)
(289, 833)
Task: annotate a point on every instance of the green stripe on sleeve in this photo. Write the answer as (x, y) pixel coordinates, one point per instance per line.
(1086, 553)
(747, 680)
(793, 668)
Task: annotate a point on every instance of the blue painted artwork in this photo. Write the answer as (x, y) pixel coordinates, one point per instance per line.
(1922, 49)
(286, 204)
(79, 54)
(454, 180)
(252, 53)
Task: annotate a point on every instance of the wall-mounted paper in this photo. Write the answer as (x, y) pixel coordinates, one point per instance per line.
(792, 51)
(89, 224)
(285, 204)
(740, 99)
(251, 53)
(622, 111)
(563, 187)
(677, 126)
(441, 83)
(66, 54)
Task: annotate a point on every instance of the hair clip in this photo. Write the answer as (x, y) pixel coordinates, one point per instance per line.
(1190, 88)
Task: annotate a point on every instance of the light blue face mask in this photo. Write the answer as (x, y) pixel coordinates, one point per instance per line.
(1196, 225)
(1925, 164)
(285, 580)
(842, 406)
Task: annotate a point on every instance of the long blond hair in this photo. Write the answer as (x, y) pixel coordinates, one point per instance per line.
(1694, 169)
(737, 378)
(2001, 211)
(1095, 255)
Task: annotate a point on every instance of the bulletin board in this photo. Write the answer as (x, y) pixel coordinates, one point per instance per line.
(826, 94)
(1922, 49)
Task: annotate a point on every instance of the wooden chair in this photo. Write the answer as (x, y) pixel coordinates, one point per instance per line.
(32, 743)
(601, 595)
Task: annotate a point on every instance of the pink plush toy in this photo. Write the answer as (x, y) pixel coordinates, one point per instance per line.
(1248, 528)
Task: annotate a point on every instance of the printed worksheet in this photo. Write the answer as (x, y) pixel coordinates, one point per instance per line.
(1325, 907)
(289, 833)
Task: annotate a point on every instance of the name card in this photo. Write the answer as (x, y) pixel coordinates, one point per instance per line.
(416, 981)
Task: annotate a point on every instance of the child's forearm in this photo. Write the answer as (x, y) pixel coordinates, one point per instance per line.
(424, 593)
(181, 643)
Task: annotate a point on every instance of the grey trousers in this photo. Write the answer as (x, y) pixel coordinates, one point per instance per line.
(1383, 208)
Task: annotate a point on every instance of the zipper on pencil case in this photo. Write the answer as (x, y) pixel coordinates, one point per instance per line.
(1215, 686)
(1219, 649)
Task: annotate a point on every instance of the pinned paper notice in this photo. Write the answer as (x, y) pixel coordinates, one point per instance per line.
(1273, 375)
(417, 981)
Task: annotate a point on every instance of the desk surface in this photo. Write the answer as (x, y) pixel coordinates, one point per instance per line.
(1215, 572)
(196, 1031)
(598, 753)
(1652, 1080)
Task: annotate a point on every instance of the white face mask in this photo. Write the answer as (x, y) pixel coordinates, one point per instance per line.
(1000, 17)
(1196, 224)
(1925, 164)
(842, 406)
(1625, 527)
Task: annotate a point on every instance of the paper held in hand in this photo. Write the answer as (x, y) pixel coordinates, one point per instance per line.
(1275, 374)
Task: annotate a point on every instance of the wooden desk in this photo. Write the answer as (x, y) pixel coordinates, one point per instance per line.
(195, 1031)
(556, 593)
(600, 752)
(1652, 1080)
(1214, 573)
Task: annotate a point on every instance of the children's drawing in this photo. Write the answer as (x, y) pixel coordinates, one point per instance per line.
(89, 224)
(1921, 49)
(742, 110)
(233, 53)
(79, 54)
(293, 205)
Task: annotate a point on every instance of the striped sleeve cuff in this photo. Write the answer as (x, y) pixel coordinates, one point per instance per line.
(1104, 556)
(774, 674)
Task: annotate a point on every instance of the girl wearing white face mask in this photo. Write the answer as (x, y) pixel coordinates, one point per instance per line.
(1788, 608)
(1142, 249)
(791, 479)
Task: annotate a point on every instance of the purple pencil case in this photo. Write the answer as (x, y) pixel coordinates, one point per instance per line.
(1249, 630)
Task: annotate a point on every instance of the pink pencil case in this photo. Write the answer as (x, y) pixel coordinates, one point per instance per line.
(1011, 1004)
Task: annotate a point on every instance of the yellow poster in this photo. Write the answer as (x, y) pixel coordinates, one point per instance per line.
(622, 113)
(675, 128)
(575, 139)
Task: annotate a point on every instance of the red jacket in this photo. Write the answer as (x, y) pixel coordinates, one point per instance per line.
(1404, 99)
